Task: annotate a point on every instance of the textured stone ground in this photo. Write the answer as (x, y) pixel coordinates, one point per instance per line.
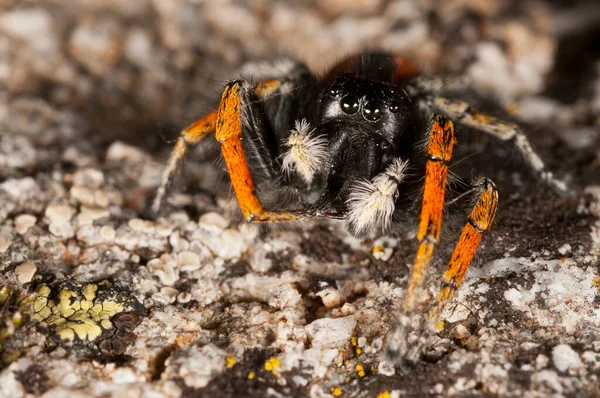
(101, 297)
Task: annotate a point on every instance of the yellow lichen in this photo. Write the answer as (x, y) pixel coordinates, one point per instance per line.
(230, 361)
(384, 394)
(79, 312)
(272, 365)
(439, 326)
(336, 391)
(360, 370)
(596, 282)
(378, 249)
(251, 375)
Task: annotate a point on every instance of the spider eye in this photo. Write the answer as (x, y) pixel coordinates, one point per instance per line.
(350, 104)
(394, 107)
(371, 112)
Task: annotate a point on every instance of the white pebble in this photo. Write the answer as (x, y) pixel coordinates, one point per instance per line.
(62, 230)
(565, 358)
(386, 368)
(330, 297)
(4, 244)
(88, 215)
(136, 224)
(188, 261)
(163, 267)
(178, 243)
(331, 332)
(83, 195)
(89, 178)
(213, 222)
(184, 297)
(24, 222)
(25, 272)
(59, 214)
(107, 233)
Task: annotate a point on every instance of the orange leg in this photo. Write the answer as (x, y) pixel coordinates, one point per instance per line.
(439, 154)
(229, 135)
(480, 219)
(195, 133)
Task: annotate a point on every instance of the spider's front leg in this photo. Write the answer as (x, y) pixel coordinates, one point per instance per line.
(439, 154)
(239, 105)
(403, 343)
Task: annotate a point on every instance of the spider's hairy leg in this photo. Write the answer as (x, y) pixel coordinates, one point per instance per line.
(196, 132)
(439, 154)
(463, 113)
(479, 220)
(229, 131)
(191, 135)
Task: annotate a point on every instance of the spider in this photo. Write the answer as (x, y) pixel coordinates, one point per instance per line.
(356, 144)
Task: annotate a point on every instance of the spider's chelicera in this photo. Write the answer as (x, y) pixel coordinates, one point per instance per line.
(356, 144)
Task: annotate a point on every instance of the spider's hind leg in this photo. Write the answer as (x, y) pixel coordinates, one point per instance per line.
(479, 220)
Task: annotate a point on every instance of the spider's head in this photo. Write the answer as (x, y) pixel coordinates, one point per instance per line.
(368, 106)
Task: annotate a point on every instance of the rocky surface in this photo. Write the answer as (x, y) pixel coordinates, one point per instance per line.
(101, 297)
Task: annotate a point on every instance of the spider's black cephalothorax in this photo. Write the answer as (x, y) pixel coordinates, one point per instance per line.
(370, 142)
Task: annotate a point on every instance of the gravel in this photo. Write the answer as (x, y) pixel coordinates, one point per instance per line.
(100, 296)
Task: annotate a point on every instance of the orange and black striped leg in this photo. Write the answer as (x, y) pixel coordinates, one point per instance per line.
(198, 131)
(439, 154)
(191, 135)
(229, 133)
(479, 220)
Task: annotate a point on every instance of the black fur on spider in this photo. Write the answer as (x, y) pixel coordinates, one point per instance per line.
(356, 144)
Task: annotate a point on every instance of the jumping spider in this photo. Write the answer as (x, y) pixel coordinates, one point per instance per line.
(354, 145)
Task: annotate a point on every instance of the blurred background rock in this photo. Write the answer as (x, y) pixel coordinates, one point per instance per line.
(138, 70)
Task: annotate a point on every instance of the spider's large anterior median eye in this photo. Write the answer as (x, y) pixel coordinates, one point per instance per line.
(371, 112)
(350, 104)
(394, 107)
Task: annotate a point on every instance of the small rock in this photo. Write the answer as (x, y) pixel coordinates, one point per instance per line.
(33, 26)
(184, 297)
(197, 366)
(63, 230)
(4, 244)
(163, 267)
(386, 368)
(565, 358)
(330, 297)
(83, 195)
(90, 214)
(188, 261)
(136, 224)
(24, 222)
(59, 214)
(25, 272)
(120, 151)
(107, 233)
(90, 178)
(213, 222)
(167, 295)
(96, 44)
(564, 249)
(331, 332)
